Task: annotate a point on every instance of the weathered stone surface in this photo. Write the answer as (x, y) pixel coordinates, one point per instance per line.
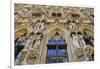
(41, 22)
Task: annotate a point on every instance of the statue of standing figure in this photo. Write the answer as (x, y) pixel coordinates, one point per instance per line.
(70, 27)
(41, 28)
(75, 42)
(37, 41)
(82, 42)
(75, 28)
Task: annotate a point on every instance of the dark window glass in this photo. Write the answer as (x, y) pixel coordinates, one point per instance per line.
(51, 46)
(61, 59)
(52, 60)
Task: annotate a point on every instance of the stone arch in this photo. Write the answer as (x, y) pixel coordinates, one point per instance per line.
(43, 50)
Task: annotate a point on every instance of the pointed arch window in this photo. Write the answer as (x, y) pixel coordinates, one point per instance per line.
(56, 50)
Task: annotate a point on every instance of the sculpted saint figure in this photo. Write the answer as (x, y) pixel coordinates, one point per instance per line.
(41, 28)
(75, 41)
(36, 27)
(37, 41)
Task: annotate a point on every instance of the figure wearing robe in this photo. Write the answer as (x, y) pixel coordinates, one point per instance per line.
(75, 42)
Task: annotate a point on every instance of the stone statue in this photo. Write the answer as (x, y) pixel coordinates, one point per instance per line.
(82, 42)
(37, 41)
(75, 42)
(41, 29)
(70, 27)
(74, 26)
(36, 27)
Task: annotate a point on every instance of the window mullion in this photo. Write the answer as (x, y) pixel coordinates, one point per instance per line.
(57, 52)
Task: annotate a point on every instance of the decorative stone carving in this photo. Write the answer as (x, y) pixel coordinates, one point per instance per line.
(82, 42)
(36, 27)
(41, 29)
(80, 54)
(89, 52)
(16, 17)
(23, 53)
(32, 56)
(37, 41)
(70, 27)
(30, 17)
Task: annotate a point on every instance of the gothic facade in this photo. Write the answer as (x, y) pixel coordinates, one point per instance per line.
(53, 34)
